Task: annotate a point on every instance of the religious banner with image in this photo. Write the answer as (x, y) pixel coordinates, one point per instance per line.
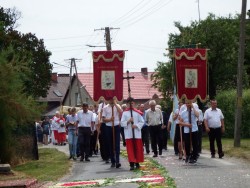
(108, 74)
(191, 73)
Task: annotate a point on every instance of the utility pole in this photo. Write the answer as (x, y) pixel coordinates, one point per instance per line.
(199, 10)
(107, 36)
(73, 64)
(238, 112)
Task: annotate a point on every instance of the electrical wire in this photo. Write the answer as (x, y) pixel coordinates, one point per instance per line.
(130, 12)
(65, 38)
(143, 15)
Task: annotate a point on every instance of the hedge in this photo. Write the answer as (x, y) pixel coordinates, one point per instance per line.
(227, 103)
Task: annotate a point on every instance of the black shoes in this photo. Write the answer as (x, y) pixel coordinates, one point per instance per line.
(137, 165)
(160, 152)
(155, 155)
(187, 159)
(118, 165)
(132, 168)
(86, 159)
(70, 157)
(213, 156)
(192, 161)
(221, 155)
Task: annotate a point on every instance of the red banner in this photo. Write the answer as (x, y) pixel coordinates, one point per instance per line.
(108, 74)
(191, 73)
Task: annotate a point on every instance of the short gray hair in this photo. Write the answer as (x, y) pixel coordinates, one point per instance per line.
(158, 106)
(152, 102)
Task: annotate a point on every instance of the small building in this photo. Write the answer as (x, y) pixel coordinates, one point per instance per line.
(141, 88)
(56, 93)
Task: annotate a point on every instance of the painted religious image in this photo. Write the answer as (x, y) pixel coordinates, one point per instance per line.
(108, 80)
(191, 76)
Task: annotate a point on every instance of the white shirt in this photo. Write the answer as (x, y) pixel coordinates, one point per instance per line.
(107, 113)
(138, 121)
(171, 119)
(213, 117)
(184, 115)
(184, 107)
(85, 119)
(177, 112)
(54, 124)
(200, 118)
(61, 129)
(154, 117)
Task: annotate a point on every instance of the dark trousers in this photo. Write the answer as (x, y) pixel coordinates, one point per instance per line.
(164, 138)
(145, 137)
(200, 130)
(114, 150)
(123, 136)
(84, 141)
(215, 134)
(93, 148)
(103, 143)
(156, 138)
(188, 146)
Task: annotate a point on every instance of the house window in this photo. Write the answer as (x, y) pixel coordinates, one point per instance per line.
(58, 93)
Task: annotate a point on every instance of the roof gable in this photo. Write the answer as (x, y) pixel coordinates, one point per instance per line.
(140, 86)
(57, 89)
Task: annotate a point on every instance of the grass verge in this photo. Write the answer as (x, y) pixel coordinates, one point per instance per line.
(52, 165)
(242, 152)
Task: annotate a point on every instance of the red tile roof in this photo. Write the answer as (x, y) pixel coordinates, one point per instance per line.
(140, 86)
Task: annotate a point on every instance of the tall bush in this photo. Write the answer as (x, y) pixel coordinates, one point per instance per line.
(227, 103)
(16, 108)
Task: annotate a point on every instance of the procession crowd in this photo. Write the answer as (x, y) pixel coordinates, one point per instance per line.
(99, 128)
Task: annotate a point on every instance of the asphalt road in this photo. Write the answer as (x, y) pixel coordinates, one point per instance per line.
(206, 173)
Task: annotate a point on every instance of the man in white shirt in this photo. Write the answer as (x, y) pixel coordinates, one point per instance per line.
(188, 119)
(111, 116)
(85, 122)
(214, 124)
(154, 120)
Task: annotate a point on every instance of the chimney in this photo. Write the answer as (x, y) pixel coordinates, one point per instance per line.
(54, 76)
(144, 71)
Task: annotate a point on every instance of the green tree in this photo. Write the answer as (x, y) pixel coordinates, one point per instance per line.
(220, 35)
(30, 49)
(15, 107)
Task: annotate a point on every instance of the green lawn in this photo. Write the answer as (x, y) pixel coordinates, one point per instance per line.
(242, 152)
(51, 165)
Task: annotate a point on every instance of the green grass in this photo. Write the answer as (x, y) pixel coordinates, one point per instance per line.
(242, 152)
(51, 165)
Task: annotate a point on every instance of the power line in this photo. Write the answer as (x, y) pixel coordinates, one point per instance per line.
(130, 12)
(141, 12)
(64, 38)
(148, 14)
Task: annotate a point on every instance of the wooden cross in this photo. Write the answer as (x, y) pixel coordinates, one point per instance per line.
(128, 79)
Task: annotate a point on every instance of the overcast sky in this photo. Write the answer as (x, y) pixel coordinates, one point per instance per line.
(68, 26)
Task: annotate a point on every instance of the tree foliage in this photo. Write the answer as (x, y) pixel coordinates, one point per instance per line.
(25, 74)
(31, 50)
(221, 36)
(15, 107)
